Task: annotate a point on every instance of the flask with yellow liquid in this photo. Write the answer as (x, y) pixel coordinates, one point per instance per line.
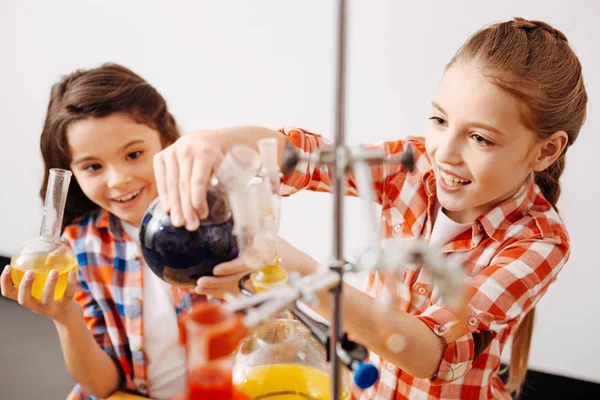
(267, 196)
(47, 252)
(281, 359)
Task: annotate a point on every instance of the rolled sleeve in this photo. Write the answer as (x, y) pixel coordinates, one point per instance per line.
(306, 175)
(317, 177)
(459, 354)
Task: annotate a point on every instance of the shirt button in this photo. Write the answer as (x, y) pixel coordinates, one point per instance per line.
(390, 367)
(142, 387)
(473, 321)
(438, 330)
(397, 228)
(422, 290)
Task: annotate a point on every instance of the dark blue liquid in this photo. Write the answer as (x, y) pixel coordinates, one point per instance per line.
(179, 256)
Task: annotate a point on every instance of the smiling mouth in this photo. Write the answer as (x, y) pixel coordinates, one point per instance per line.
(453, 181)
(128, 197)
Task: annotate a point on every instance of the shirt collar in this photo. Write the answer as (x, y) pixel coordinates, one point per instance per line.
(106, 220)
(496, 222)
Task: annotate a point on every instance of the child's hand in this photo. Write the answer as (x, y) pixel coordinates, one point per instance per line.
(55, 309)
(183, 172)
(294, 260)
(228, 274)
(225, 281)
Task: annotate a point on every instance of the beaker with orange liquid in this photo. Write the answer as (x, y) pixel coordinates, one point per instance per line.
(211, 334)
(47, 252)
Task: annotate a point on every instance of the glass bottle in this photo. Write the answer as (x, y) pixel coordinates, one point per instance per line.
(46, 252)
(210, 335)
(179, 256)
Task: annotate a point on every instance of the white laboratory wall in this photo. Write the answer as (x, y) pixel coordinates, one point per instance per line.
(271, 62)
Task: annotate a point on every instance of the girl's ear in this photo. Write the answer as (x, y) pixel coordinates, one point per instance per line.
(549, 149)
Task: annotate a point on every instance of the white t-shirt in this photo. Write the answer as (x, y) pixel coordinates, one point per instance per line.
(166, 356)
(445, 229)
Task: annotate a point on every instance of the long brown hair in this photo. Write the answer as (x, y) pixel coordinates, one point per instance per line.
(534, 62)
(97, 93)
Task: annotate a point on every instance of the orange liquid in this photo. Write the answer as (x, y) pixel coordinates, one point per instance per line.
(41, 266)
(206, 382)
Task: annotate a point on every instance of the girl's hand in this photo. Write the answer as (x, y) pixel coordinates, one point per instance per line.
(183, 172)
(58, 310)
(225, 279)
(294, 260)
(228, 274)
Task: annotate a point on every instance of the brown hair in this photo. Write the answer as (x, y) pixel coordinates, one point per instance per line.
(97, 93)
(535, 63)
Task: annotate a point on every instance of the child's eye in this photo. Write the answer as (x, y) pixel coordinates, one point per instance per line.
(438, 121)
(480, 140)
(133, 155)
(93, 167)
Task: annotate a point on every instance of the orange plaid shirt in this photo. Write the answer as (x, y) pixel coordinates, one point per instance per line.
(110, 294)
(512, 254)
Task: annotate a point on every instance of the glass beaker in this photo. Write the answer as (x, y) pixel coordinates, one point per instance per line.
(179, 256)
(210, 335)
(256, 234)
(271, 174)
(47, 252)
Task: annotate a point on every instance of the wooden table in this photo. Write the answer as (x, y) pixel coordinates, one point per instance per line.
(128, 396)
(125, 396)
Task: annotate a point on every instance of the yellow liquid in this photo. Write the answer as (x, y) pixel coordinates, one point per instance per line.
(42, 265)
(268, 276)
(287, 382)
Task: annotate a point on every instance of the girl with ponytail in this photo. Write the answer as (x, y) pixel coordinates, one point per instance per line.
(486, 183)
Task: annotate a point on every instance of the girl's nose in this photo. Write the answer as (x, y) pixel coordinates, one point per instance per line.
(118, 177)
(449, 149)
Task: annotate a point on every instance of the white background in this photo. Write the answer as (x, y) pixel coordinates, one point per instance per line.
(271, 62)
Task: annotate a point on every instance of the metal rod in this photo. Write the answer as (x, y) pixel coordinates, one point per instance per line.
(338, 169)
